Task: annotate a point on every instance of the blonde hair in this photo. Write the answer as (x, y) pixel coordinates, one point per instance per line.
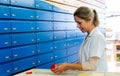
(86, 13)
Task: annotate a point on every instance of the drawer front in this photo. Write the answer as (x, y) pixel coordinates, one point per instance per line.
(59, 35)
(24, 51)
(17, 13)
(25, 3)
(43, 15)
(24, 64)
(22, 39)
(44, 36)
(44, 47)
(59, 44)
(5, 41)
(5, 1)
(23, 26)
(44, 26)
(43, 5)
(5, 26)
(60, 53)
(6, 69)
(59, 25)
(5, 55)
(4, 12)
(44, 58)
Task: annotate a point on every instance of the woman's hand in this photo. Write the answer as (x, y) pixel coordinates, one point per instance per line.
(60, 68)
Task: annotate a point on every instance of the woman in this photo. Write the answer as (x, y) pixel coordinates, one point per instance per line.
(92, 55)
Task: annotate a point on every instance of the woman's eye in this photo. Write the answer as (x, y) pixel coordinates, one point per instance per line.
(79, 23)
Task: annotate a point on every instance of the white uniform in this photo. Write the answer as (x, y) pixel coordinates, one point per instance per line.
(94, 46)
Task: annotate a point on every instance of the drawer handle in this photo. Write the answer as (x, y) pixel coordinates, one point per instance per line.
(33, 51)
(55, 56)
(32, 16)
(32, 28)
(55, 46)
(51, 57)
(7, 71)
(37, 28)
(15, 68)
(7, 57)
(51, 48)
(38, 16)
(33, 40)
(15, 55)
(39, 61)
(14, 28)
(6, 28)
(33, 63)
(37, 5)
(39, 50)
(38, 39)
(14, 15)
(14, 42)
(6, 43)
(5, 14)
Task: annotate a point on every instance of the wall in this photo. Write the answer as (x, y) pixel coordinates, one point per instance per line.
(36, 34)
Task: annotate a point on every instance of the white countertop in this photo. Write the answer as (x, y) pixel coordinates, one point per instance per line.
(47, 72)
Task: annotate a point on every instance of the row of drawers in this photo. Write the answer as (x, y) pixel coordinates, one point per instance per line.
(33, 26)
(70, 59)
(24, 13)
(30, 38)
(37, 4)
(24, 51)
(26, 63)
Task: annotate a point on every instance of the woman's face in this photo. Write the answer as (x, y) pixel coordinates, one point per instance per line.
(82, 24)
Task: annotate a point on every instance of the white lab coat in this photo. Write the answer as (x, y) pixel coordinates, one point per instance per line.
(94, 45)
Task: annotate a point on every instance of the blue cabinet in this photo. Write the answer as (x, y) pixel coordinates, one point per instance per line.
(5, 55)
(44, 26)
(5, 26)
(24, 3)
(59, 35)
(59, 44)
(59, 26)
(4, 12)
(43, 15)
(45, 47)
(5, 1)
(44, 36)
(43, 5)
(22, 13)
(24, 64)
(24, 51)
(60, 53)
(22, 39)
(23, 26)
(5, 41)
(6, 69)
(45, 58)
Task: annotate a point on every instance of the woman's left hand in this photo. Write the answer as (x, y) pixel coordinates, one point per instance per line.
(60, 68)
